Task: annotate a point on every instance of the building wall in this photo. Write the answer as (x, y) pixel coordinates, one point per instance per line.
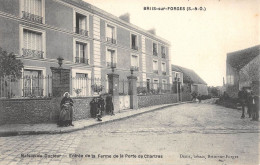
(232, 86)
(9, 35)
(10, 7)
(58, 15)
(249, 75)
(202, 89)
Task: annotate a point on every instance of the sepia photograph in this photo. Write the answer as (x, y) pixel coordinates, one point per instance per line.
(129, 82)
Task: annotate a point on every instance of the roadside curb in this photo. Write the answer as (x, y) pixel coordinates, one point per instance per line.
(20, 133)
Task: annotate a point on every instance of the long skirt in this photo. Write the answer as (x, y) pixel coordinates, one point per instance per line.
(65, 115)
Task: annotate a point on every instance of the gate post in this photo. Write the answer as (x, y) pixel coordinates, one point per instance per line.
(60, 81)
(133, 92)
(113, 88)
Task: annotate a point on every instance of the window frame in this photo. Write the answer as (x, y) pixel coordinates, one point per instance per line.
(137, 41)
(115, 55)
(137, 60)
(21, 8)
(87, 56)
(21, 35)
(36, 68)
(156, 48)
(157, 64)
(74, 72)
(75, 11)
(115, 32)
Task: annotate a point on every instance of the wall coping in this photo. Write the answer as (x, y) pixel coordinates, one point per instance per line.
(25, 99)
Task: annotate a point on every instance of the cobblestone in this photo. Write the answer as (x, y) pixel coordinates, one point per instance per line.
(187, 129)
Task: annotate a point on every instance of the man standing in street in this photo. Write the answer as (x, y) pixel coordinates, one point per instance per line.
(242, 97)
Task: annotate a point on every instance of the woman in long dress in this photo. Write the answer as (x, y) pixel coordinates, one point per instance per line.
(66, 113)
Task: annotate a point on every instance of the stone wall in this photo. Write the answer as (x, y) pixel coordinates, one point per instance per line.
(186, 97)
(149, 100)
(30, 111)
(26, 111)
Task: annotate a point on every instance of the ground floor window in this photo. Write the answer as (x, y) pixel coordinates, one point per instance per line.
(32, 83)
(80, 85)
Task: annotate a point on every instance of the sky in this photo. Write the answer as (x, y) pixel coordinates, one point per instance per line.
(200, 40)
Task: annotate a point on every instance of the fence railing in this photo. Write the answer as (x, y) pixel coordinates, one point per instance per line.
(27, 86)
(81, 31)
(111, 64)
(32, 53)
(163, 55)
(134, 47)
(32, 17)
(111, 40)
(151, 88)
(41, 87)
(81, 60)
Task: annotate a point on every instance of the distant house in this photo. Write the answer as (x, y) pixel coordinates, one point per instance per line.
(190, 80)
(242, 70)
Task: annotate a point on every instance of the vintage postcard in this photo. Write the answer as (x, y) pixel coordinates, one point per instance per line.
(129, 82)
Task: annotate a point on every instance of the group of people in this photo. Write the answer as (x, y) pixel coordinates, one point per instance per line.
(196, 97)
(247, 99)
(97, 107)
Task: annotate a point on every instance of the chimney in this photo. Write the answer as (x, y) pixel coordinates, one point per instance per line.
(125, 17)
(152, 31)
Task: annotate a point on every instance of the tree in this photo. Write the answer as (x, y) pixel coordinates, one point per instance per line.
(9, 65)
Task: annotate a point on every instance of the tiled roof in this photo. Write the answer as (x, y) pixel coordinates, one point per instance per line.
(175, 68)
(239, 59)
(189, 76)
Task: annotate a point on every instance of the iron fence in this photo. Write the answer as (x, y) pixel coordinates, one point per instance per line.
(111, 40)
(28, 86)
(32, 17)
(41, 86)
(81, 31)
(151, 88)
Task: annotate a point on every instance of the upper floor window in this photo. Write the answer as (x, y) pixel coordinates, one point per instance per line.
(230, 79)
(134, 42)
(177, 76)
(163, 68)
(155, 66)
(155, 84)
(33, 10)
(81, 24)
(32, 44)
(134, 62)
(155, 51)
(81, 53)
(111, 58)
(164, 84)
(111, 34)
(163, 52)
